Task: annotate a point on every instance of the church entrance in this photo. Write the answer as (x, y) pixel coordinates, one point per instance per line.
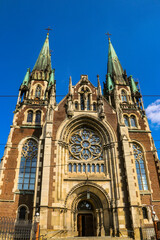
(85, 225)
(85, 219)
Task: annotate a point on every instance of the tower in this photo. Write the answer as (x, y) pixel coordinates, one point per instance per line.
(87, 165)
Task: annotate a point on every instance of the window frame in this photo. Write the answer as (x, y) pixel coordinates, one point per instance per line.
(142, 176)
(28, 166)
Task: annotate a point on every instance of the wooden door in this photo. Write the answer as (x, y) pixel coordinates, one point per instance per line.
(89, 225)
(85, 225)
(79, 225)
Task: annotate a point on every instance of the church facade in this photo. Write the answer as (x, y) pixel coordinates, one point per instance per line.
(87, 165)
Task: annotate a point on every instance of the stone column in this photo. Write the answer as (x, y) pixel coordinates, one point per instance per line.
(102, 224)
(98, 222)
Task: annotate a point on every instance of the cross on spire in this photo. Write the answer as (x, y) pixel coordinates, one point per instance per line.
(48, 29)
(108, 35)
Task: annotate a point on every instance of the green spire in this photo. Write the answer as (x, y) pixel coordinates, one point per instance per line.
(44, 59)
(51, 79)
(133, 85)
(110, 85)
(114, 67)
(26, 78)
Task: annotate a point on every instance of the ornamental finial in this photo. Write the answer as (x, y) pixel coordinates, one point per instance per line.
(108, 35)
(48, 29)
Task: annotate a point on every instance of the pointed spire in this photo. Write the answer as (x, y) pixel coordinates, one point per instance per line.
(133, 84)
(44, 59)
(70, 85)
(26, 78)
(114, 67)
(51, 79)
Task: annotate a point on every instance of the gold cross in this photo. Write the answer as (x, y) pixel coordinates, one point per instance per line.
(48, 29)
(108, 35)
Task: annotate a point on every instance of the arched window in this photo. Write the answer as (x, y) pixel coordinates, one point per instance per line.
(123, 96)
(28, 165)
(102, 168)
(140, 167)
(126, 120)
(88, 102)
(38, 117)
(30, 116)
(22, 213)
(38, 92)
(70, 167)
(133, 121)
(93, 168)
(79, 167)
(82, 101)
(74, 167)
(88, 168)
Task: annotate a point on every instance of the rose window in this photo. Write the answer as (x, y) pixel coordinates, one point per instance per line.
(85, 144)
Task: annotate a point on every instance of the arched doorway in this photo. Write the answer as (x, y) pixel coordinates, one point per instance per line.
(85, 219)
(89, 206)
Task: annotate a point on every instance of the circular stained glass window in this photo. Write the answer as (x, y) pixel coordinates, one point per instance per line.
(85, 144)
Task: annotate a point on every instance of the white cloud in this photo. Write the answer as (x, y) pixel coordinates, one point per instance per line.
(153, 113)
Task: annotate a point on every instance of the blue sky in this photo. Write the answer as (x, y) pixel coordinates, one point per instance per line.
(79, 46)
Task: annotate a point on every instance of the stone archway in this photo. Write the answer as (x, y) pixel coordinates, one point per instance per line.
(98, 214)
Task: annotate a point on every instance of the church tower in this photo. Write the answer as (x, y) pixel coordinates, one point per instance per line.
(86, 165)
(22, 160)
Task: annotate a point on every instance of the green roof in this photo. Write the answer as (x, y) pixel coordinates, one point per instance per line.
(44, 59)
(133, 85)
(114, 67)
(26, 78)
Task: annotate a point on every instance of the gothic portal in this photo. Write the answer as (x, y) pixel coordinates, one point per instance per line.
(87, 165)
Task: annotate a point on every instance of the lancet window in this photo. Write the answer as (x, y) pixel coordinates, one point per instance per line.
(133, 121)
(140, 167)
(85, 151)
(126, 121)
(30, 117)
(28, 165)
(38, 117)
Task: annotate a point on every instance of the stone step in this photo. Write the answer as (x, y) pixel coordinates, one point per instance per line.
(92, 238)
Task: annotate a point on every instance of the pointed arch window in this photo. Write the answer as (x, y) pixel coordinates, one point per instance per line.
(82, 101)
(126, 120)
(88, 102)
(140, 167)
(38, 92)
(123, 96)
(38, 117)
(28, 165)
(133, 121)
(30, 117)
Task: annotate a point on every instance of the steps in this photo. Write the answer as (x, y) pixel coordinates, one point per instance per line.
(92, 238)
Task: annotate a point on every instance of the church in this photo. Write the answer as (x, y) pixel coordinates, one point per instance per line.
(86, 166)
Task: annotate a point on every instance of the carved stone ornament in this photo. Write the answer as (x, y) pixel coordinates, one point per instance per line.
(70, 112)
